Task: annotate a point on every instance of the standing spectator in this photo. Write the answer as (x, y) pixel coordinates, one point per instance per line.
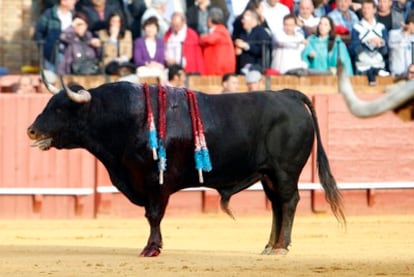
(289, 45)
(197, 16)
(274, 12)
(117, 45)
(81, 48)
(176, 76)
(403, 6)
(183, 45)
(230, 83)
(391, 18)
(157, 10)
(369, 44)
(149, 50)
(343, 18)
(252, 43)
(98, 13)
(48, 29)
(322, 7)
(175, 6)
(218, 51)
(400, 42)
(253, 5)
(305, 19)
(321, 52)
(137, 9)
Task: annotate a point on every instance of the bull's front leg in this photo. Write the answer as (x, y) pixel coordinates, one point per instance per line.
(154, 212)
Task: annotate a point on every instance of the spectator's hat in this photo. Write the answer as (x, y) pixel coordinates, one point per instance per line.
(253, 76)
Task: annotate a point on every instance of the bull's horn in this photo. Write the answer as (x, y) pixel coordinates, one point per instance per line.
(395, 96)
(82, 96)
(46, 78)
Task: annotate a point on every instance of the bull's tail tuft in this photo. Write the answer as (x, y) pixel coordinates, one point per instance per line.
(332, 194)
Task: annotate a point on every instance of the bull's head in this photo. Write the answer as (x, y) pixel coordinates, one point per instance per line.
(60, 122)
(395, 96)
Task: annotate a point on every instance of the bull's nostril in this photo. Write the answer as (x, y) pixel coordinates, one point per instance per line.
(31, 132)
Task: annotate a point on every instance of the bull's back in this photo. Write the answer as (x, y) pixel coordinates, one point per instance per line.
(244, 131)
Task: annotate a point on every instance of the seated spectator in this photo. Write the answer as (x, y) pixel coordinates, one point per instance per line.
(343, 18)
(254, 80)
(24, 85)
(197, 16)
(252, 44)
(400, 42)
(305, 19)
(183, 45)
(391, 18)
(218, 51)
(117, 46)
(81, 49)
(157, 10)
(176, 76)
(369, 44)
(48, 29)
(98, 13)
(321, 52)
(288, 47)
(403, 6)
(230, 83)
(149, 50)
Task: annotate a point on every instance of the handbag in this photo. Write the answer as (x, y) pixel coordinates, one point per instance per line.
(85, 66)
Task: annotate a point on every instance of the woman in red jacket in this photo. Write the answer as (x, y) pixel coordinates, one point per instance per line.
(218, 49)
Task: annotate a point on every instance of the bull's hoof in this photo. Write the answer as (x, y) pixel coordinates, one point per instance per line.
(150, 251)
(274, 251)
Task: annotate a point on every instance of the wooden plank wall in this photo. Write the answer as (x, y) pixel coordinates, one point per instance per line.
(23, 166)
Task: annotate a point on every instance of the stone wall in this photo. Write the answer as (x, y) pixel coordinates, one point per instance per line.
(16, 31)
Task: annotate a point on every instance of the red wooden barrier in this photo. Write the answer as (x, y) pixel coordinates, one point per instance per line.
(63, 184)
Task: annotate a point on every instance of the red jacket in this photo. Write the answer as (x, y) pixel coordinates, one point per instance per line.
(289, 4)
(191, 51)
(218, 52)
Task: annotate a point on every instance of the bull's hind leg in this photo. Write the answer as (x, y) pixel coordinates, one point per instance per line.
(283, 208)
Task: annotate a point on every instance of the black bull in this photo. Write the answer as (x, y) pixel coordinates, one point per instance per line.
(260, 136)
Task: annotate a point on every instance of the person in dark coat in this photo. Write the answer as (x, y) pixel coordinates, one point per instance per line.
(252, 43)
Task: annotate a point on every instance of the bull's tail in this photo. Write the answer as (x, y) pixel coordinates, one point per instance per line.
(332, 194)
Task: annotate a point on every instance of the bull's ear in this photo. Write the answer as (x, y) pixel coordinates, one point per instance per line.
(75, 86)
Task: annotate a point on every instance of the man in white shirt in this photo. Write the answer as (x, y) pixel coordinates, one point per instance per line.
(400, 42)
(274, 12)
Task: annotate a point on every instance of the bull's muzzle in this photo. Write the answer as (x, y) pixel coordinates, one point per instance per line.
(44, 142)
(31, 132)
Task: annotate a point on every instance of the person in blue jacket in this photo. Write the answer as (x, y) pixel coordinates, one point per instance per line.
(321, 52)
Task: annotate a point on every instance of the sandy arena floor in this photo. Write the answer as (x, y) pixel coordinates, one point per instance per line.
(207, 245)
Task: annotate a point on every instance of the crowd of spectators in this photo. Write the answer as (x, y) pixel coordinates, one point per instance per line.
(225, 37)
